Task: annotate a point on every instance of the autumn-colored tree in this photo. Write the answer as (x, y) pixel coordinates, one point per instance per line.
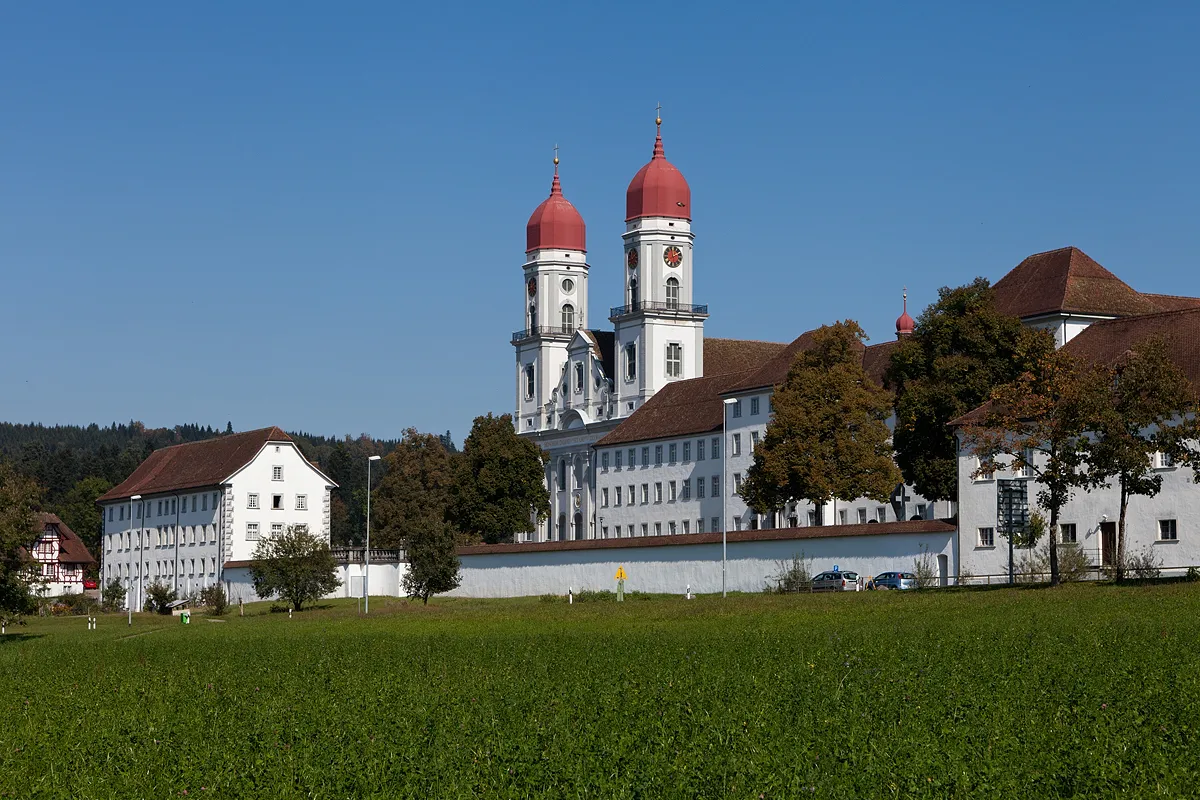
(1041, 422)
(961, 349)
(1151, 410)
(19, 499)
(411, 509)
(829, 436)
(501, 484)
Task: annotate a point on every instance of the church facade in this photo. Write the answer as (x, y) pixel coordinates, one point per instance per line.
(651, 427)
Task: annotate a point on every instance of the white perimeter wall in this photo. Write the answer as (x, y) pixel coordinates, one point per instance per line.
(671, 568)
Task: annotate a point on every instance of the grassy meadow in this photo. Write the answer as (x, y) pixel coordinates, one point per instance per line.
(1081, 691)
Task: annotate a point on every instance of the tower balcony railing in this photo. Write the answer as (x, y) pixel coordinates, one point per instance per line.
(543, 330)
(657, 305)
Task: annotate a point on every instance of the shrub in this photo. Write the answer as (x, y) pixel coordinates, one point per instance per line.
(1034, 565)
(113, 596)
(159, 596)
(965, 577)
(77, 604)
(927, 574)
(793, 577)
(1145, 565)
(594, 595)
(1192, 575)
(214, 597)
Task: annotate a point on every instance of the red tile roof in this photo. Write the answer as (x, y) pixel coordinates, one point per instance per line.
(1172, 302)
(681, 408)
(773, 372)
(723, 356)
(71, 549)
(1107, 342)
(773, 534)
(1067, 280)
(195, 464)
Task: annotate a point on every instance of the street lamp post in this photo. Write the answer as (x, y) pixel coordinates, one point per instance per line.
(724, 481)
(367, 555)
(139, 556)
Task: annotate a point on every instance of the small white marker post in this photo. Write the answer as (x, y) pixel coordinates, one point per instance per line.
(570, 595)
(688, 595)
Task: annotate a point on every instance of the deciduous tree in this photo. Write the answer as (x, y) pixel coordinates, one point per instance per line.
(296, 565)
(1151, 409)
(961, 349)
(1041, 422)
(501, 484)
(829, 437)
(19, 498)
(80, 512)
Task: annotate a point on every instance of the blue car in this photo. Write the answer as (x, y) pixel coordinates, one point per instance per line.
(894, 580)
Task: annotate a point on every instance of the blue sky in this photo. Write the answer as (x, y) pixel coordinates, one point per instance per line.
(312, 215)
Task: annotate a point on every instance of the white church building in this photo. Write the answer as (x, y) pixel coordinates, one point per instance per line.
(191, 515)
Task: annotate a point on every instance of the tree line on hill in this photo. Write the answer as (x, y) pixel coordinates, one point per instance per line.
(1074, 425)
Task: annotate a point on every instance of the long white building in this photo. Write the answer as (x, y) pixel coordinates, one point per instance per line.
(201, 508)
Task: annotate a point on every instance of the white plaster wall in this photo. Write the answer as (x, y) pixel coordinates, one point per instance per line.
(299, 478)
(671, 568)
(385, 581)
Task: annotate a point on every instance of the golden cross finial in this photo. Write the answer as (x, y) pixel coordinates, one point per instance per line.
(658, 114)
(556, 154)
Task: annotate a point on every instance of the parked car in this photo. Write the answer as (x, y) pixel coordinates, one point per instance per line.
(91, 584)
(894, 580)
(836, 582)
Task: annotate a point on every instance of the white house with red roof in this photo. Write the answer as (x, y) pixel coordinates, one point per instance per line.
(202, 507)
(61, 558)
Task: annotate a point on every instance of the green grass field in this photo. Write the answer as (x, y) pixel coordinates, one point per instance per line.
(1079, 691)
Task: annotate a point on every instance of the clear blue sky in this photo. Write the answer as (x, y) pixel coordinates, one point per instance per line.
(312, 214)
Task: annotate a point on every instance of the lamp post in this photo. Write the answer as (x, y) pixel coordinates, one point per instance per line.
(139, 556)
(724, 481)
(367, 555)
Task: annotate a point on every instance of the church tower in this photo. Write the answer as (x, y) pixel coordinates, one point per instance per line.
(659, 330)
(555, 305)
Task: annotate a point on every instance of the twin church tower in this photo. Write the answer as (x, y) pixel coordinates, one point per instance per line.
(571, 376)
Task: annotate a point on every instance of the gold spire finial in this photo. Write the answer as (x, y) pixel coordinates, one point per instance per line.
(556, 154)
(658, 114)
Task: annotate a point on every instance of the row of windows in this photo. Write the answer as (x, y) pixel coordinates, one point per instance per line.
(253, 531)
(277, 502)
(168, 506)
(161, 537)
(672, 450)
(165, 569)
(1167, 532)
(1025, 470)
(672, 527)
(681, 490)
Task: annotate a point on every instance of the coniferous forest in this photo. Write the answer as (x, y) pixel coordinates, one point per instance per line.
(75, 464)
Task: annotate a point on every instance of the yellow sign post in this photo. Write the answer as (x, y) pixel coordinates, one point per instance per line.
(621, 576)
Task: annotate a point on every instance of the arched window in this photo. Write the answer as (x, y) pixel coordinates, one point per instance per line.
(562, 527)
(532, 317)
(672, 293)
(529, 387)
(633, 292)
(578, 376)
(562, 473)
(568, 317)
(578, 526)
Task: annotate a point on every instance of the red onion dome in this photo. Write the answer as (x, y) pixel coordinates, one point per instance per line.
(904, 323)
(659, 189)
(555, 224)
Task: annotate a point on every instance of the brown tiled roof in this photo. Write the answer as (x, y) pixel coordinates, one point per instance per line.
(71, 549)
(774, 371)
(1172, 302)
(723, 356)
(1106, 342)
(681, 408)
(195, 464)
(1067, 280)
(773, 534)
(876, 359)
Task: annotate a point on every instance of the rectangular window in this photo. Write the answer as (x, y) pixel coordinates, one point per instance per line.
(674, 360)
(529, 382)
(277, 502)
(658, 529)
(110, 513)
(214, 501)
(632, 457)
(120, 513)
(672, 451)
(687, 451)
(687, 526)
(685, 491)
(737, 408)
(737, 484)
(645, 529)
(632, 496)
(716, 524)
(194, 500)
(204, 503)
(737, 444)
(174, 505)
(139, 510)
(1026, 471)
(881, 514)
(753, 406)
(921, 510)
(699, 488)
(658, 455)
(645, 493)
(276, 528)
(604, 497)
(604, 461)
(302, 502)
(716, 447)
(159, 514)
(252, 501)
(618, 495)
(862, 516)
(987, 537)
(812, 518)
(617, 458)
(1066, 533)
(1164, 460)
(646, 456)
(658, 492)
(671, 528)
(700, 525)
(604, 532)
(277, 473)
(737, 523)
(699, 449)
(753, 441)
(1166, 530)
(716, 486)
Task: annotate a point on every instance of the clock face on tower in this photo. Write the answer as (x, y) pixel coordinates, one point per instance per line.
(672, 256)
(532, 286)
(631, 258)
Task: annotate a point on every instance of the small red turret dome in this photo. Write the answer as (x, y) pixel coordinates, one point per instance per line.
(555, 224)
(904, 323)
(659, 189)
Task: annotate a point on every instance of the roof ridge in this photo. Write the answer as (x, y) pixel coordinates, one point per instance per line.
(1151, 315)
(226, 436)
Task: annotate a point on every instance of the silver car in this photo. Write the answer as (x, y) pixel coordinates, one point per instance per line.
(836, 581)
(894, 580)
